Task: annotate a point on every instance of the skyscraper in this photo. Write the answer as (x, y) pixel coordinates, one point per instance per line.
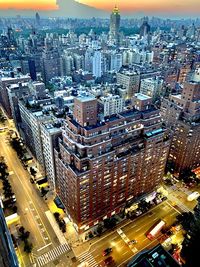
(145, 28)
(37, 18)
(115, 24)
(97, 64)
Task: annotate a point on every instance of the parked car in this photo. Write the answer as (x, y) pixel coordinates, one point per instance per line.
(108, 261)
(107, 251)
(31, 180)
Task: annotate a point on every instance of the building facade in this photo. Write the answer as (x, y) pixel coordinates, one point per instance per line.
(102, 164)
(8, 256)
(115, 24)
(130, 81)
(185, 110)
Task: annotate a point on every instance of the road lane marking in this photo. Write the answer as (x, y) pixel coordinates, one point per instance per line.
(26, 192)
(133, 226)
(122, 264)
(173, 207)
(44, 246)
(125, 252)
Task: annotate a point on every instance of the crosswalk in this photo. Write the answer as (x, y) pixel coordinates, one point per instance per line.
(182, 189)
(87, 257)
(179, 203)
(52, 254)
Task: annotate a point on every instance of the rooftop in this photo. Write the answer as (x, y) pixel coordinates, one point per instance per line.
(142, 96)
(156, 257)
(84, 97)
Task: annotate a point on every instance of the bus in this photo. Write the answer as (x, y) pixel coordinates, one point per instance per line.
(155, 229)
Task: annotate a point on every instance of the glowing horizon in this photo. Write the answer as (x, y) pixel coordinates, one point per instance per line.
(174, 6)
(182, 7)
(29, 4)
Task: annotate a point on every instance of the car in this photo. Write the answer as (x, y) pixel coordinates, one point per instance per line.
(108, 261)
(31, 180)
(132, 242)
(107, 251)
(193, 196)
(164, 198)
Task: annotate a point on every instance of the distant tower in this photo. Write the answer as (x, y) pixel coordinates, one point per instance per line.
(115, 24)
(145, 28)
(11, 36)
(37, 18)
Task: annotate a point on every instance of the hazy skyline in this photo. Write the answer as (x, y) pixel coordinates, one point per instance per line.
(83, 8)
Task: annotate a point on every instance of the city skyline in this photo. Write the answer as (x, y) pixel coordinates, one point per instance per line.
(101, 8)
(99, 133)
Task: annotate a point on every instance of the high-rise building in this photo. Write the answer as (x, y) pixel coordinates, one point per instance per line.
(97, 64)
(145, 28)
(66, 64)
(151, 86)
(50, 132)
(111, 104)
(4, 97)
(130, 80)
(115, 24)
(103, 164)
(116, 61)
(185, 146)
(37, 18)
(50, 64)
(16, 92)
(40, 132)
(8, 256)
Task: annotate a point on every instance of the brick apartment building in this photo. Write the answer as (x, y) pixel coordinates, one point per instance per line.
(103, 165)
(182, 114)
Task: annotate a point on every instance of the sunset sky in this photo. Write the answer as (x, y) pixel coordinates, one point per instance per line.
(184, 7)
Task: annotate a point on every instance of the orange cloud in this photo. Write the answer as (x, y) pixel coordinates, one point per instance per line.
(174, 6)
(29, 4)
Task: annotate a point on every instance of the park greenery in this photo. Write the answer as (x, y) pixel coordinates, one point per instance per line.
(18, 146)
(60, 221)
(24, 236)
(7, 189)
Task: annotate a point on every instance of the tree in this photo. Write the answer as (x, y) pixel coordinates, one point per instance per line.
(3, 169)
(14, 209)
(190, 245)
(170, 167)
(24, 235)
(43, 191)
(28, 247)
(99, 229)
(17, 145)
(21, 229)
(110, 223)
(57, 216)
(33, 171)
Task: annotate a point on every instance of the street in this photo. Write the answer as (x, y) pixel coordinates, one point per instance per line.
(47, 248)
(31, 206)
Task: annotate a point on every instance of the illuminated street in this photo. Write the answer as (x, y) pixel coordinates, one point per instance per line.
(31, 206)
